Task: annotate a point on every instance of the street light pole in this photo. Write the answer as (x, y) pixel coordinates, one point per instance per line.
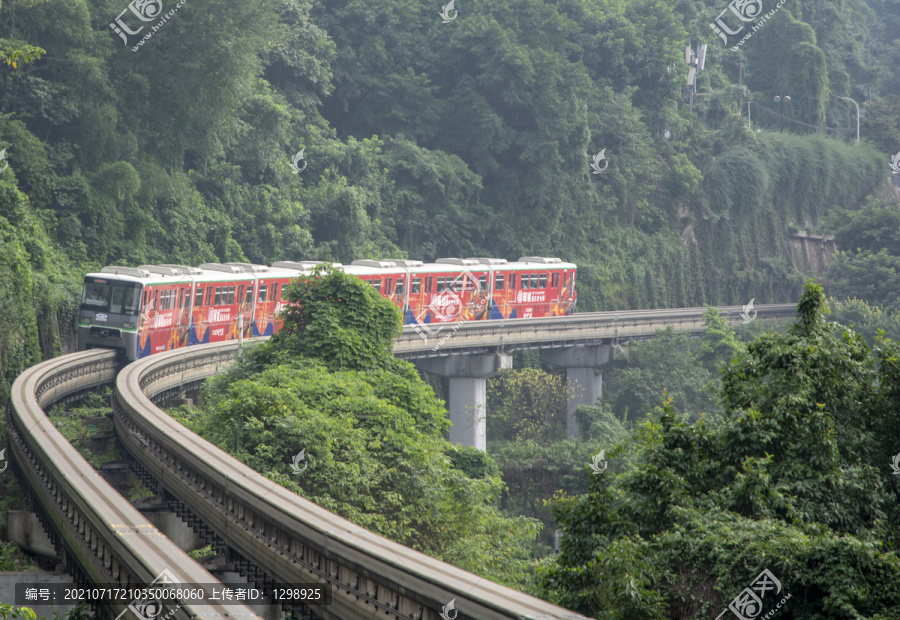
(783, 100)
(857, 115)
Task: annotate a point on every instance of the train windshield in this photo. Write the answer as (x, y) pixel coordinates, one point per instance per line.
(111, 296)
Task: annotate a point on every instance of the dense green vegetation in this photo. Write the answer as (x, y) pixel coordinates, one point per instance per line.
(428, 139)
(793, 478)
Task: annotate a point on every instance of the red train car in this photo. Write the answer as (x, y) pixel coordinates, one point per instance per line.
(155, 308)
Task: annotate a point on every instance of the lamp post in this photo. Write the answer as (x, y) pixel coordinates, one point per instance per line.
(783, 100)
(857, 115)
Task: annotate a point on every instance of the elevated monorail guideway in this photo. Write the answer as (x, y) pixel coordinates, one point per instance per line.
(588, 328)
(103, 540)
(270, 530)
(276, 533)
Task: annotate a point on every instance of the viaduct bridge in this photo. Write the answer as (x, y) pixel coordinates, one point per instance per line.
(268, 534)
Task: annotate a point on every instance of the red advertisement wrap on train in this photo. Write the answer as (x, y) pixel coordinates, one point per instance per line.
(154, 308)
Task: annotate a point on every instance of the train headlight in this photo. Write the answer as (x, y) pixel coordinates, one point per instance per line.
(128, 325)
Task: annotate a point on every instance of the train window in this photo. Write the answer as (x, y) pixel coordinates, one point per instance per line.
(512, 281)
(482, 281)
(526, 283)
(498, 282)
(461, 283)
(118, 294)
(209, 294)
(156, 299)
(231, 295)
(132, 299)
(218, 299)
(554, 280)
(543, 281)
(181, 298)
(428, 282)
(398, 288)
(95, 295)
(198, 297)
(263, 290)
(534, 280)
(249, 298)
(376, 284)
(387, 286)
(284, 291)
(416, 285)
(440, 285)
(240, 294)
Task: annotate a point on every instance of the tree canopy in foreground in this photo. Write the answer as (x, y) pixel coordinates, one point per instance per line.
(794, 478)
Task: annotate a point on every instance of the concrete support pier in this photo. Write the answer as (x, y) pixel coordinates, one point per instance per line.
(584, 376)
(25, 529)
(468, 376)
(156, 512)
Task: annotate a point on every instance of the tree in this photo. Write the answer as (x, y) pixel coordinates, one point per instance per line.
(792, 478)
(338, 319)
(527, 404)
(662, 364)
(881, 124)
(718, 343)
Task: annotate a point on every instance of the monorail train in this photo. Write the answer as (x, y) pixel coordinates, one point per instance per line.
(155, 308)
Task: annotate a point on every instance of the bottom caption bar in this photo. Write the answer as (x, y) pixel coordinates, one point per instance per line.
(32, 594)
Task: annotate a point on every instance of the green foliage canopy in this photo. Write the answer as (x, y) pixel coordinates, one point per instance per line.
(793, 478)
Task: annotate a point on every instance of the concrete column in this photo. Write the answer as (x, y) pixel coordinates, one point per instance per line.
(467, 409)
(585, 388)
(175, 529)
(585, 383)
(467, 404)
(25, 529)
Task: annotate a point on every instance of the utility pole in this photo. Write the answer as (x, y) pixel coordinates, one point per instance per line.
(857, 115)
(783, 100)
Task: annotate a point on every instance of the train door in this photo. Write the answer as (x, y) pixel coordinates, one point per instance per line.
(223, 311)
(183, 321)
